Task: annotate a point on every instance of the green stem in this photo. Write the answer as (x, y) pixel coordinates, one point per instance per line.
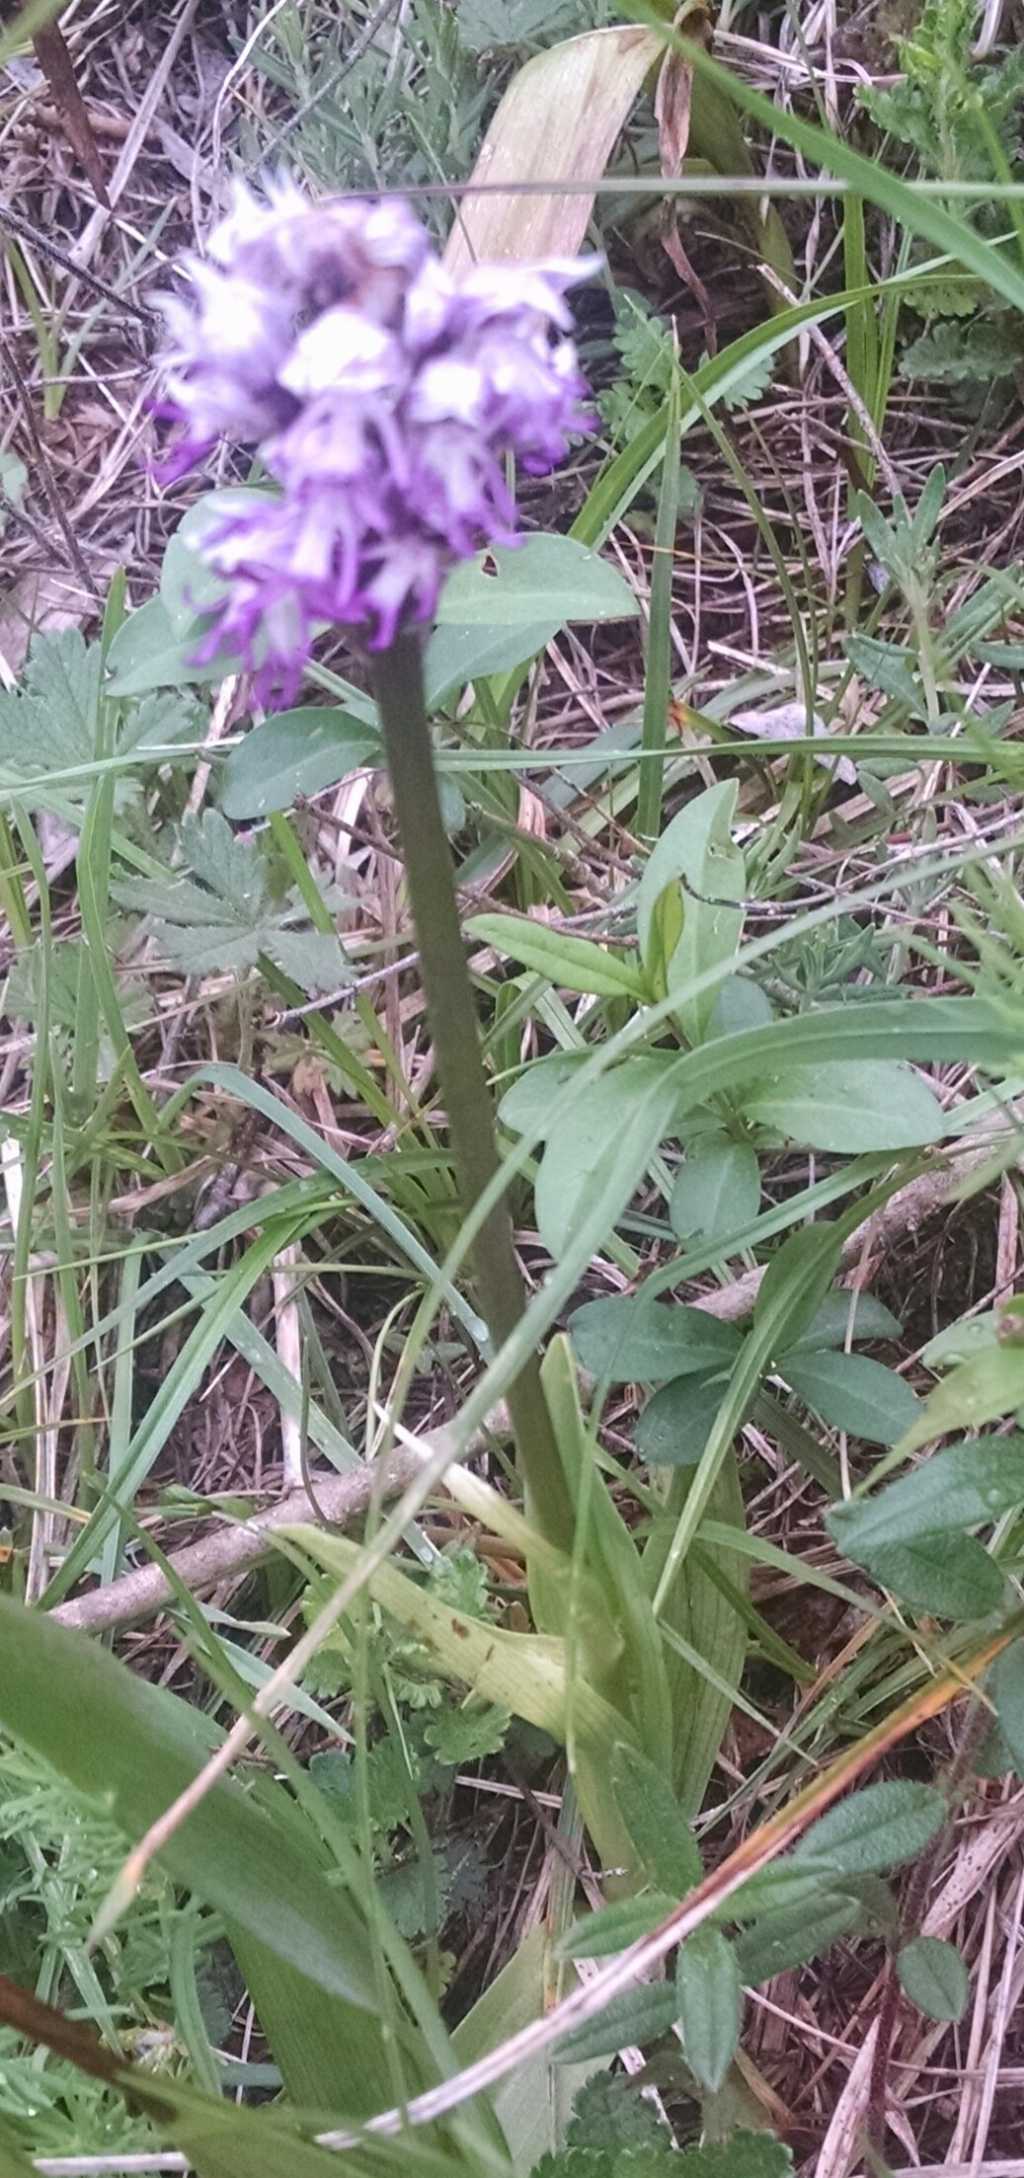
(398, 676)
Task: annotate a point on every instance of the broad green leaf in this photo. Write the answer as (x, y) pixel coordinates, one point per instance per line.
(696, 873)
(854, 1393)
(675, 1425)
(710, 2000)
(949, 1576)
(847, 1106)
(617, 1926)
(793, 1936)
(146, 653)
(717, 1190)
(227, 912)
(634, 2017)
(962, 1341)
(877, 1829)
(796, 1281)
(1006, 1686)
(573, 964)
(634, 1340)
(604, 1149)
(970, 1485)
(527, 1106)
(784, 1886)
(740, 1003)
(664, 1842)
(842, 1314)
(455, 656)
(134, 1747)
(188, 586)
(295, 753)
(934, 1977)
(544, 577)
(980, 1390)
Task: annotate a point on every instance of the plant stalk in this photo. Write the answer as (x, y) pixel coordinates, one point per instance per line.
(398, 678)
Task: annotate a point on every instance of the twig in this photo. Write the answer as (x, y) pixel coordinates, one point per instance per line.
(229, 1551)
(28, 233)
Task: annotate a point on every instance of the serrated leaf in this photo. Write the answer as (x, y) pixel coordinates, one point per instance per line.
(933, 1975)
(645, 344)
(459, 1736)
(708, 1985)
(717, 1190)
(50, 724)
(675, 1425)
(854, 1393)
(226, 913)
(1006, 1685)
(848, 1107)
(743, 2155)
(959, 353)
(750, 385)
(633, 1340)
(949, 1576)
(660, 1834)
(877, 1829)
(610, 2111)
(970, 1485)
(616, 1926)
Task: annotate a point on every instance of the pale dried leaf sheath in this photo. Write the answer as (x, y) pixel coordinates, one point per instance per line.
(559, 121)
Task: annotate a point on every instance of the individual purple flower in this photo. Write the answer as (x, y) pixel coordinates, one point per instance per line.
(383, 398)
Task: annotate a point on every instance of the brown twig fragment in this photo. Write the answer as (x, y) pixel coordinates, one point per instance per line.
(226, 1552)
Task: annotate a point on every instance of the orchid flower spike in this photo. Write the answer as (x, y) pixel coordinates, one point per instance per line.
(382, 397)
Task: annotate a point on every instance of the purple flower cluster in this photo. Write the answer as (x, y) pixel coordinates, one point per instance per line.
(382, 396)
